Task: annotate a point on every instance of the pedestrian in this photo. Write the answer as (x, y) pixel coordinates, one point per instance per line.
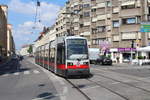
(117, 59)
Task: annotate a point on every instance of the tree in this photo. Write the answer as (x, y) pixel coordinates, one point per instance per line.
(30, 50)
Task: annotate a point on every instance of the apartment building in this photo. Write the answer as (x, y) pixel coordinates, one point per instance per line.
(3, 30)
(117, 23)
(74, 19)
(101, 22)
(10, 41)
(63, 22)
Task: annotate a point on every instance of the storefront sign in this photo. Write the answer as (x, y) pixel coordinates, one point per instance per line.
(126, 49)
(145, 27)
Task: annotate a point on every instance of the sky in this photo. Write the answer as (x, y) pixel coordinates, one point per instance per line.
(21, 14)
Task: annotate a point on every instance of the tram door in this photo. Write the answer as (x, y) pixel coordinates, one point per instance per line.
(60, 57)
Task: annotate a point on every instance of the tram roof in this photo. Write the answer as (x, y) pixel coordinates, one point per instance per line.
(74, 37)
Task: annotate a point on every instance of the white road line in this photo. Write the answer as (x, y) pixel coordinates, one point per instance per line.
(92, 87)
(16, 73)
(115, 83)
(36, 72)
(26, 72)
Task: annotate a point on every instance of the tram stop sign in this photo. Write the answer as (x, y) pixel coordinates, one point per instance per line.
(145, 27)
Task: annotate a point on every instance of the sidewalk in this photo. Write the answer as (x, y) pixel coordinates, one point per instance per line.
(122, 64)
(127, 65)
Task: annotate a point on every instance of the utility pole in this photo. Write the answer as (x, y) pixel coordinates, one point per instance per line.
(132, 46)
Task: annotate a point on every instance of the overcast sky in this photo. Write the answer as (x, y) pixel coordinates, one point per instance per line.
(21, 14)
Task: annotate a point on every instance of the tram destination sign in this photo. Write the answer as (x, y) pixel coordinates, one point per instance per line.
(145, 27)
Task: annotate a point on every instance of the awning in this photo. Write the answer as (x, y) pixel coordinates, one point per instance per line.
(144, 49)
(128, 3)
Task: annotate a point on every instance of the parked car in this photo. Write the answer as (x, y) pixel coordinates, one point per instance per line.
(103, 60)
(14, 57)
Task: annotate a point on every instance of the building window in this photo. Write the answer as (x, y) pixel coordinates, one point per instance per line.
(86, 5)
(129, 21)
(138, 19)
(115, 23)
(108, 3)
(93, 10)
(94, 31)
(76, 11)
(101, 29)
(128, 7)
(81, 25)
(86, 14)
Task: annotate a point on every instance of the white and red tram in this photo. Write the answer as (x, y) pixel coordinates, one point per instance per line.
(65, 56)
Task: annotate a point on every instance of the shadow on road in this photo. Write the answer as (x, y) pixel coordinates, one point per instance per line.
(12, 67)
(81, 76)
(46, 95)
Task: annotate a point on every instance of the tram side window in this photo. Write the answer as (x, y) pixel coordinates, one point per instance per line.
(46, 54)
(52, 55)
(60, 54)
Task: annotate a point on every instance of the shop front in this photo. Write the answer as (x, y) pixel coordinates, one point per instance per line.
(122, 55)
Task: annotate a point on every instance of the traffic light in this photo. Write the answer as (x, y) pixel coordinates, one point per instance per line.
(132, 44)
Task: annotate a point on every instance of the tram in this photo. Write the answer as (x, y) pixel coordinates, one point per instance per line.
(65, 56)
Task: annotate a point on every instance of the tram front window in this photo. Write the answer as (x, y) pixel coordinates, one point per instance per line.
(77, 49)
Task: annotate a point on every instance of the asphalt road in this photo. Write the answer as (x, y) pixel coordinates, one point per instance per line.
(27, 81)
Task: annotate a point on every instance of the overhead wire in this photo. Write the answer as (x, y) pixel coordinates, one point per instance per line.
(37, 14)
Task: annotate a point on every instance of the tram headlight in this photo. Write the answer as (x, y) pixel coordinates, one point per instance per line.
(70, 64)
(86, 63)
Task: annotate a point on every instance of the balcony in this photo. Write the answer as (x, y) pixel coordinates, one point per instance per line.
(99, 35)
(115, 16)
(100, 23)
(130, 28)
(115, 31)
(130, 12)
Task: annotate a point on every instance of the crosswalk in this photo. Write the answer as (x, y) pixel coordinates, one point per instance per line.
(21, 73)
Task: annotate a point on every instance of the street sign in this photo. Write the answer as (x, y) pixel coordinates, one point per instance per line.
(145, 27)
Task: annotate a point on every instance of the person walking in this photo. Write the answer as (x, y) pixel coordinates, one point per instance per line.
(117, 59)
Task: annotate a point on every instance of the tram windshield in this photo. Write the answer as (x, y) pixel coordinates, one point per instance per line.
(77, 49)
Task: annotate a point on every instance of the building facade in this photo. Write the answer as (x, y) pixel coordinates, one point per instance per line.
(10, 41)
(3, 30)
(107, 24)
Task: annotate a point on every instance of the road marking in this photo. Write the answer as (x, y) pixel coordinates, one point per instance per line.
(36, 72)
(26, 72)
(16, 73)
(92, 87)
(115, 83)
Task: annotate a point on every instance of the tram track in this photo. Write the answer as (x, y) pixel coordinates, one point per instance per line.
(125, 98)
(125, 82)
(78, 89)
(98, 84)
(107, 88)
